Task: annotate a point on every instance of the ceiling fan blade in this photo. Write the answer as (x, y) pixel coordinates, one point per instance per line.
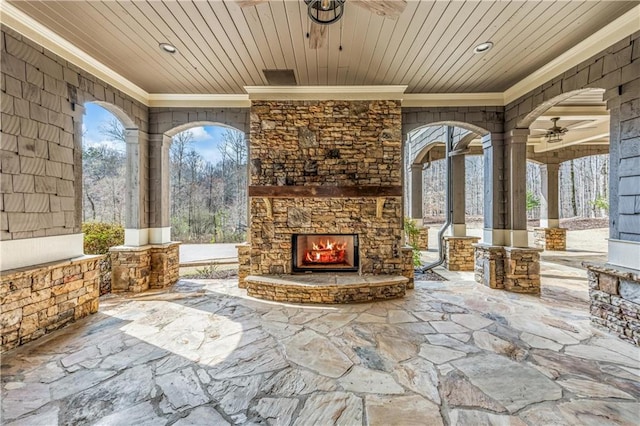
(248, 3)
(386, 8)
(317, 35)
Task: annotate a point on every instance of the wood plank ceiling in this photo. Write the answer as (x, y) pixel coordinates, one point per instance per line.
(222, 47)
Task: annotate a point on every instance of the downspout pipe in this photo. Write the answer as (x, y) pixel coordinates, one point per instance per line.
(448, 204)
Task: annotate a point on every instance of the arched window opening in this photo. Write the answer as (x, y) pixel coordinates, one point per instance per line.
(208, 185)
(103, 166)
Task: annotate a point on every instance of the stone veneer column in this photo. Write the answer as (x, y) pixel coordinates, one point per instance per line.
(136, 269)
(416, 192)
(408, 270)
(244, 263)
(459, 227)
(549, 235)
(614, 294)
(459, 253)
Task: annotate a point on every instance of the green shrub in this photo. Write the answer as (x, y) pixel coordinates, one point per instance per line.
(412, 232)
(99, 237)
(600, 203)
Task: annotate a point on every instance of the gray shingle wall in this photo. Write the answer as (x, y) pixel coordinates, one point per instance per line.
(39, 162)
(617, 71)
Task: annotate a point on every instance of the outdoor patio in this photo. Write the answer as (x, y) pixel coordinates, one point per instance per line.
(451, 352)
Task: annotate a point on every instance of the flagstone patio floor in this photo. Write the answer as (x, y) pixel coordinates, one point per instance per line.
(452, 352)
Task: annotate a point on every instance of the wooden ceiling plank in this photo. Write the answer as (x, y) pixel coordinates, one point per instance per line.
(369, 48)
(310, 54)
(284, 33)
(255, 28)
(510, 12)
(298, 41)
(56, 17)
(362, 26)
(269, 26)
(349, 30)
(183, 30)
(509, 47)
(448, 25)
(228, 34)
(426, 67)
(463, 52)
(402, 44)
(553, 40)
(133, 20)
(382, 44)
(189, 27)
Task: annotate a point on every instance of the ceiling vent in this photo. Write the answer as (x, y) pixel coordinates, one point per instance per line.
(280, 77)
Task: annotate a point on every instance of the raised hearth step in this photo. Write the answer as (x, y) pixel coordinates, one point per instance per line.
(326, 288)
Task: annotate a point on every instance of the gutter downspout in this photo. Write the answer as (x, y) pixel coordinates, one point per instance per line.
(448, 203)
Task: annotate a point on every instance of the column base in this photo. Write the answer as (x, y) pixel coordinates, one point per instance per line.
(408, 269)
(459, 253)
(614, 294)
(510, 268)
(421, 241)
(136, 269)
(522, 270)
(244, 263)
(554, 239)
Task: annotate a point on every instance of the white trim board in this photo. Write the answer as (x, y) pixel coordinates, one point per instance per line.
(34, 251)
(624, 26)
(325, 92)
(624, 253)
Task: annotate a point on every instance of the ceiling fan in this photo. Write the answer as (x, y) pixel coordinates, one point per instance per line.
(323, 13)
(555, 133)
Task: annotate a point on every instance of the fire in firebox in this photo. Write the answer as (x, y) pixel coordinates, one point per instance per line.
(326, 253)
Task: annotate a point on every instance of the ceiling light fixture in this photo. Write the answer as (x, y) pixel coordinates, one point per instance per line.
(325, 12)
(483, 47)
(169, 48)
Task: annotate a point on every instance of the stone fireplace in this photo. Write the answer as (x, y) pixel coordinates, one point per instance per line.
(325, 168)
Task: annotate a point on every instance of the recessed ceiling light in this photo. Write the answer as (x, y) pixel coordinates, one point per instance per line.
(483, 47)
(169, 48)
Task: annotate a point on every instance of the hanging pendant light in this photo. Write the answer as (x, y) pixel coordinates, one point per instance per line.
(325, 12)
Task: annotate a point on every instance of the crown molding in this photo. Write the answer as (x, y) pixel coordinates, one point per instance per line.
(452, 99)
(319, 93)
(198, 101)
(32, 29)
(615, 31)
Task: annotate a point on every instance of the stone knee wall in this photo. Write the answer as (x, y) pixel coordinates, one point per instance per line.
(550, 238)
(165, 265)
(459, 253)
(409, 269)
(614, 294)
(36, 301)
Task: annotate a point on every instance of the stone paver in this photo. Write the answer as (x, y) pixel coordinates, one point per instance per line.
(448, 353)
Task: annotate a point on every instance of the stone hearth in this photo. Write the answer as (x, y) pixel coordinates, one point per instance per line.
(325, 167)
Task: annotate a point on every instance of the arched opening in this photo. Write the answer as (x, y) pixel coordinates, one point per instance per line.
(568, 186)
(208, 185)
(104, 158)
(207, 190)
(427, 186)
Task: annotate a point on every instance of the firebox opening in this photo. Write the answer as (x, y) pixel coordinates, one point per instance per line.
(325, 253)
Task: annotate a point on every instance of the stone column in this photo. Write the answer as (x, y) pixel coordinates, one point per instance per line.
(549, 235)
(416, 192)
(160, 230)
(516, 164)
(136, 222)
(459, 227)
(494, 206)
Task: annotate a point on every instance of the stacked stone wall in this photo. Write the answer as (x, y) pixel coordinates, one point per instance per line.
(550, 238)
(522, 270)
(614, 294)
(244, 263)
(164, 265)
(345, 147)
(460, 253)
(136, 269)
(380, 237)
(489, 265)
(36, 301)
